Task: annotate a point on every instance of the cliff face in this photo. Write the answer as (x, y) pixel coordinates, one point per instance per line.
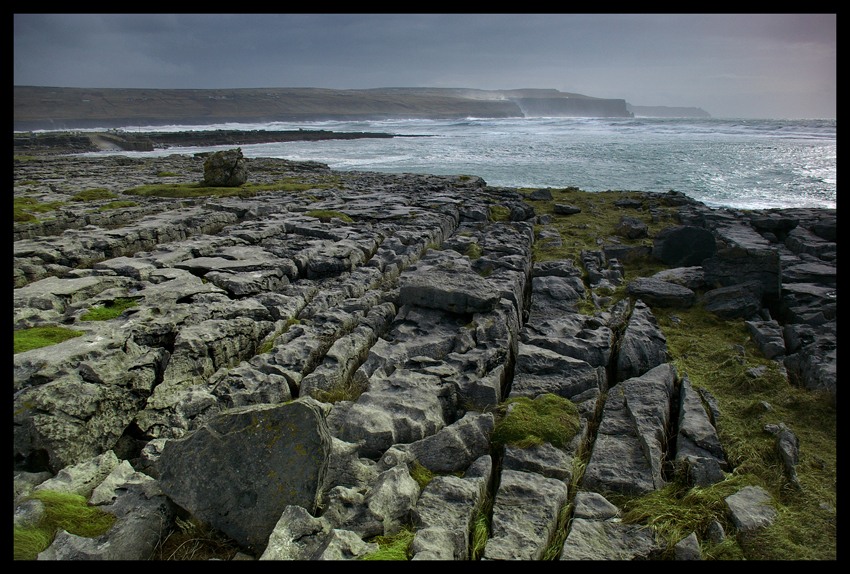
(573, 107)
(73, 108)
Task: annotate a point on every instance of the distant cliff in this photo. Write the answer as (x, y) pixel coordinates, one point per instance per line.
(75, 108)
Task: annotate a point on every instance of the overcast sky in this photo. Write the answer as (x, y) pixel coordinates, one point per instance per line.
(731, 65)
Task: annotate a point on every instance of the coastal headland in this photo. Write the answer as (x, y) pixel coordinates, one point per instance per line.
(316, 364)
(56, 108)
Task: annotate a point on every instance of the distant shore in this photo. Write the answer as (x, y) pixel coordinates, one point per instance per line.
(70, 142)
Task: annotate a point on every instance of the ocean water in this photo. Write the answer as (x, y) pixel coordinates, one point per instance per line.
(744, 164)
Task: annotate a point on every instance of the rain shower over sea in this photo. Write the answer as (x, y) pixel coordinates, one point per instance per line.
(744, 164)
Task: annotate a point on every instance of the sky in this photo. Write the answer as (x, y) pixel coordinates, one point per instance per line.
(730, 65)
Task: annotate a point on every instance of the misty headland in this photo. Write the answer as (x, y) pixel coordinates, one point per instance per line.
(57, 108)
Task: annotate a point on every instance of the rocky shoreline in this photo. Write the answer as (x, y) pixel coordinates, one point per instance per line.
(71, 142)
(296, 350)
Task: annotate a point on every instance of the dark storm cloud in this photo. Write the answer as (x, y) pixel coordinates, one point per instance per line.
(730, 64)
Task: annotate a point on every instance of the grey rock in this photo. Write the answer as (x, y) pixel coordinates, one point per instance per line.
(661, 293)
(751, 508)
(688, 548)
(642, 345)
(684, 246)
(525, 514)
(607, 540)
(627, 453)
(245, 504)
(225, 169)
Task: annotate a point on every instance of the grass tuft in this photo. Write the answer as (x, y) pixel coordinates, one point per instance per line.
(95, 194)
(392, 547)
(65, 511)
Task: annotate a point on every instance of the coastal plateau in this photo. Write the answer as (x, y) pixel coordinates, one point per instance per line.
(310, 363)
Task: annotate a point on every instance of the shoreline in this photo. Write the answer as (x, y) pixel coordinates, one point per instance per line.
(71, 142)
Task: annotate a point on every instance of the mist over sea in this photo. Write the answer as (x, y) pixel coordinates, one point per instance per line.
(745, 164)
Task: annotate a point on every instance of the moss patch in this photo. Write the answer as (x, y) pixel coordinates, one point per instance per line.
(524, 422)
(37, 337)
(95, 194)
(109, 310)
(25, 208)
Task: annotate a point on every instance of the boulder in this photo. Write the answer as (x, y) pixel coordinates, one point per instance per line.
(240, 471)
(225, 169)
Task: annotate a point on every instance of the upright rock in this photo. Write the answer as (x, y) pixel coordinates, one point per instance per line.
(225, 169)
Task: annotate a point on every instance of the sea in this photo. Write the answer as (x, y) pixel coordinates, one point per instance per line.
(736, 163)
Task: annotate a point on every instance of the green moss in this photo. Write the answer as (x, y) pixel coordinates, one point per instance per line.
(109, 310)
(499, 213)
(24, 208)
(37, 337)
(598, 220)
(65, 511)
(167, 174)
(393, 547)
(325, 215)
(524, 422)
(190, 190)
(421, 475)
(93, 195)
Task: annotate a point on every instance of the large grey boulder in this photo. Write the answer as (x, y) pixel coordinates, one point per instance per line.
(241, 470)
(661, 293)
(225, 169)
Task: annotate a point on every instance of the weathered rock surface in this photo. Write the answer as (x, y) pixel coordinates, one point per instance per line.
(284, 372)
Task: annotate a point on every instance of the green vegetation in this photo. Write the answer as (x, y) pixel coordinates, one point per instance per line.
(325, 215)
(343, 391)
(95, 194)
(269, 344)
(421, 475)
(37, 337)
(62, 510)
(167, 174)
(524, 422)
(393, 547)
(25, 208)
(473, 251)
(718, 361)
(499, 213)
(597, 220)
(191, 190)
(109, 310)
